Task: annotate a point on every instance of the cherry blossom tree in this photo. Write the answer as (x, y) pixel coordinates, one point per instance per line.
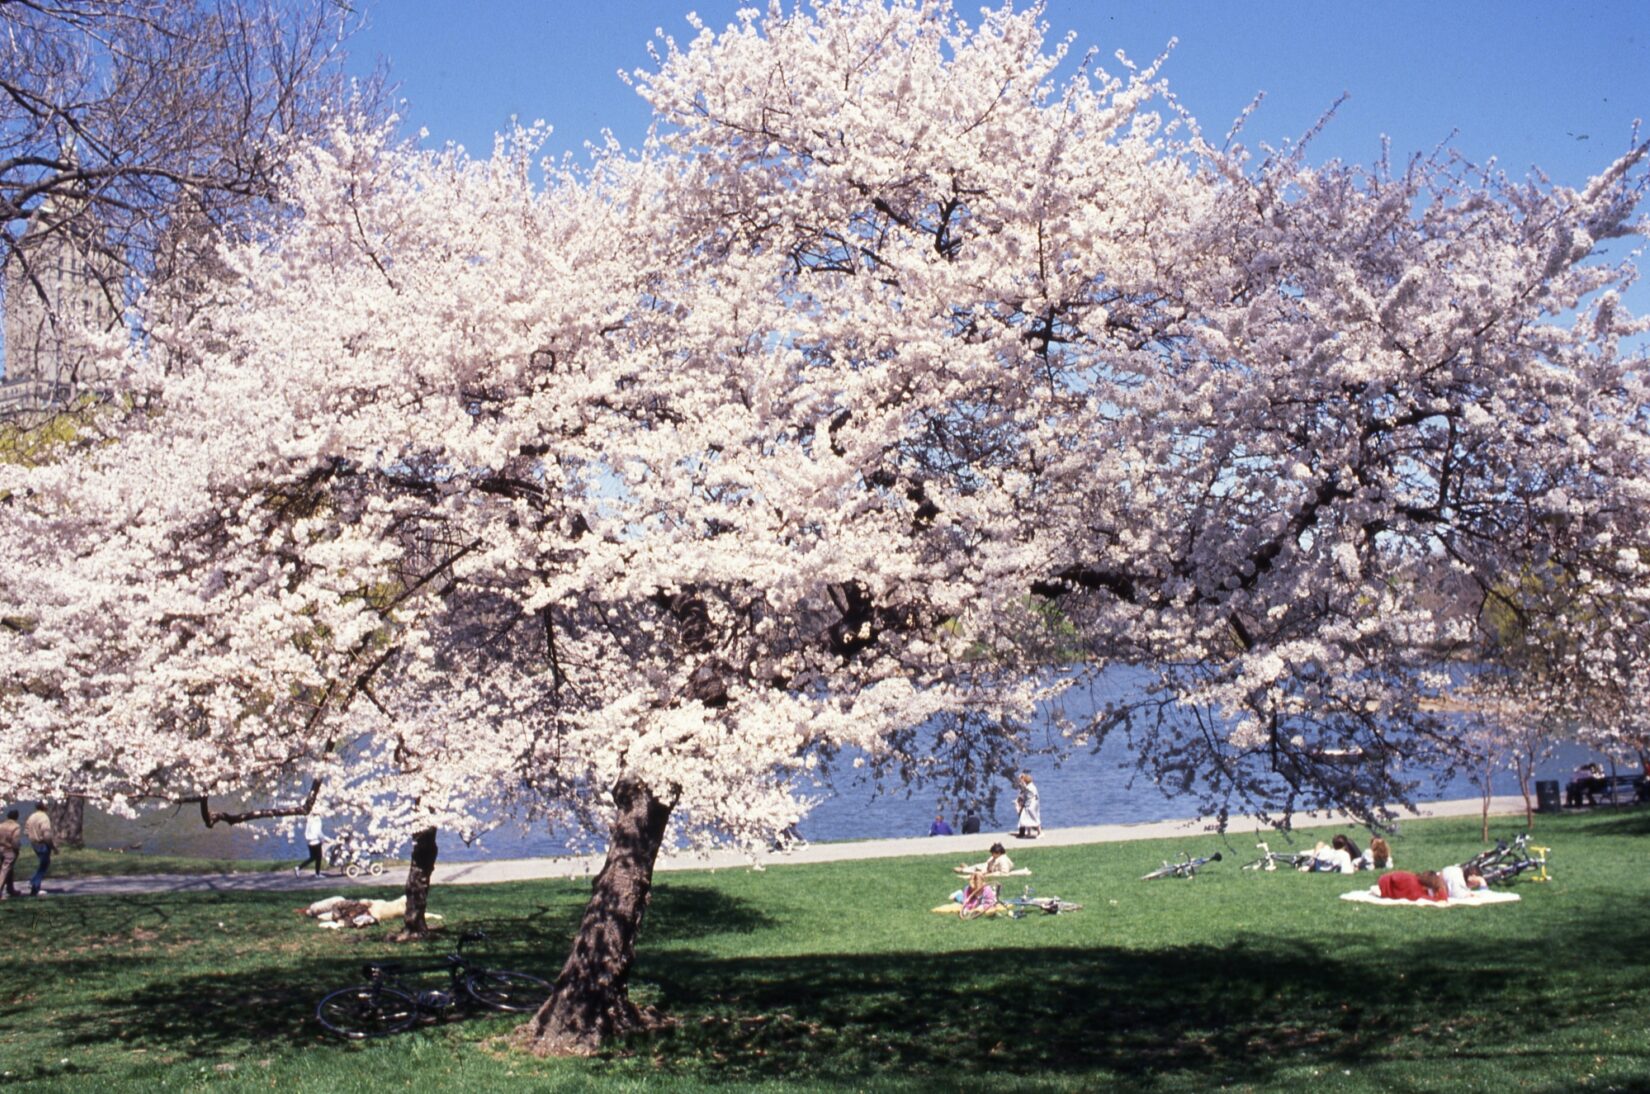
(617, 501)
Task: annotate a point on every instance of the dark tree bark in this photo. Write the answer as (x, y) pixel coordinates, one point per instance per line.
(590, 1003)
(419, 875)
(68, 819)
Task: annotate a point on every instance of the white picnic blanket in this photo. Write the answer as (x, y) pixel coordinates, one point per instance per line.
(1482, 896)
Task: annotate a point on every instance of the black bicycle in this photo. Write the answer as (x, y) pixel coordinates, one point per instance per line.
(1510, 867)
(1187, 867)
(1501, 852)
(388, 1004)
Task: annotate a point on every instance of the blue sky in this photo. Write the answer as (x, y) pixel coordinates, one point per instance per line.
(1551, 84)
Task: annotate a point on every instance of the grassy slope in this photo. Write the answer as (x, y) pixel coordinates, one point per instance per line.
(835, 976)
(84, 862)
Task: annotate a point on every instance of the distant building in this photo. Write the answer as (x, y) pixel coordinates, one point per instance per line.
(58, 287)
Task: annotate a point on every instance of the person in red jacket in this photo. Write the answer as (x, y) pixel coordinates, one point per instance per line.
(1403, 885)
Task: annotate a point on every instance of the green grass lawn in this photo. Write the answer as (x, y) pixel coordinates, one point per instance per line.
(85, 862)
(836, 977)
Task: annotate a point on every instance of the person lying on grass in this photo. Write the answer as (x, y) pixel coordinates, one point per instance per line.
(336, 911)
(1463, 882)
(1403, 885)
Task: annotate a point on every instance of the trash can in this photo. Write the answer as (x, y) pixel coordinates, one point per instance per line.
(1546, 797)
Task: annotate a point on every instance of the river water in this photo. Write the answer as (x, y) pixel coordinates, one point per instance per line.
(1083, 789)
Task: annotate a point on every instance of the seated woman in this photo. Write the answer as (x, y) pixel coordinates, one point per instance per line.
(1403, 885)
(1378, 857)
(979, 897)
(1345, 843)
(997, 863)
(1331, 858)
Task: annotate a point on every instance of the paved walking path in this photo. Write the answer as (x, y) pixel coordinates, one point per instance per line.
(486, 872)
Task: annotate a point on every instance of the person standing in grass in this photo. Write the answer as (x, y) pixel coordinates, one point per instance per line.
(1029, 803)
(11, 838)
(42, 838)
(315, 836)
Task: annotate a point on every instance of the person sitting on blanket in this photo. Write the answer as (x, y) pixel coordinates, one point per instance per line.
(1403, 885)
(978, 898)
(1462, 883)
(998, 863)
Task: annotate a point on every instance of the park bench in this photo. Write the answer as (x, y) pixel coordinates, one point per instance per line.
(1612, 789)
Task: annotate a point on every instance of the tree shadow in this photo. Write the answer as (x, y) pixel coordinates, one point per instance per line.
(206, 1014)
(1194, 1015)
(1621, 820)
(685, 912)
(1201, 1014)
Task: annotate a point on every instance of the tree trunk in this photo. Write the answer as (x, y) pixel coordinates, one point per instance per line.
(68, 819)
(418, 885)
(1526, 772)
(590, 1003)
(1487, 786)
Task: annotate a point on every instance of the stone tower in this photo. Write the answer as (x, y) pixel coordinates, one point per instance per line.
(58, 288)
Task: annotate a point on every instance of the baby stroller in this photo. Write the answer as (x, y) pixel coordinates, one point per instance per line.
(352, 860)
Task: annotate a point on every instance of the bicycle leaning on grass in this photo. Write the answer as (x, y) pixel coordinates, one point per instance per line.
(1500, 853)
(387, 1003)
(1186, 867)
(1270, 860)
(1028, 901)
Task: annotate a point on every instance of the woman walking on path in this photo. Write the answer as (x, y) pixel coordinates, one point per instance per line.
(315, 836)
(1030, 806)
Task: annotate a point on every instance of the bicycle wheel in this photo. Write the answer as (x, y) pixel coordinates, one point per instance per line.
(1166, 870)
(501, 989)
(366, 1010)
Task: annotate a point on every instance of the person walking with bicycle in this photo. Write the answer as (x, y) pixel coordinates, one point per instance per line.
(314, 835)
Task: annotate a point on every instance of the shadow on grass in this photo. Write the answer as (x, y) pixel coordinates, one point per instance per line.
(1195, 1015)
(208, 1014)
(1621, 820)
(1203, 1015)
